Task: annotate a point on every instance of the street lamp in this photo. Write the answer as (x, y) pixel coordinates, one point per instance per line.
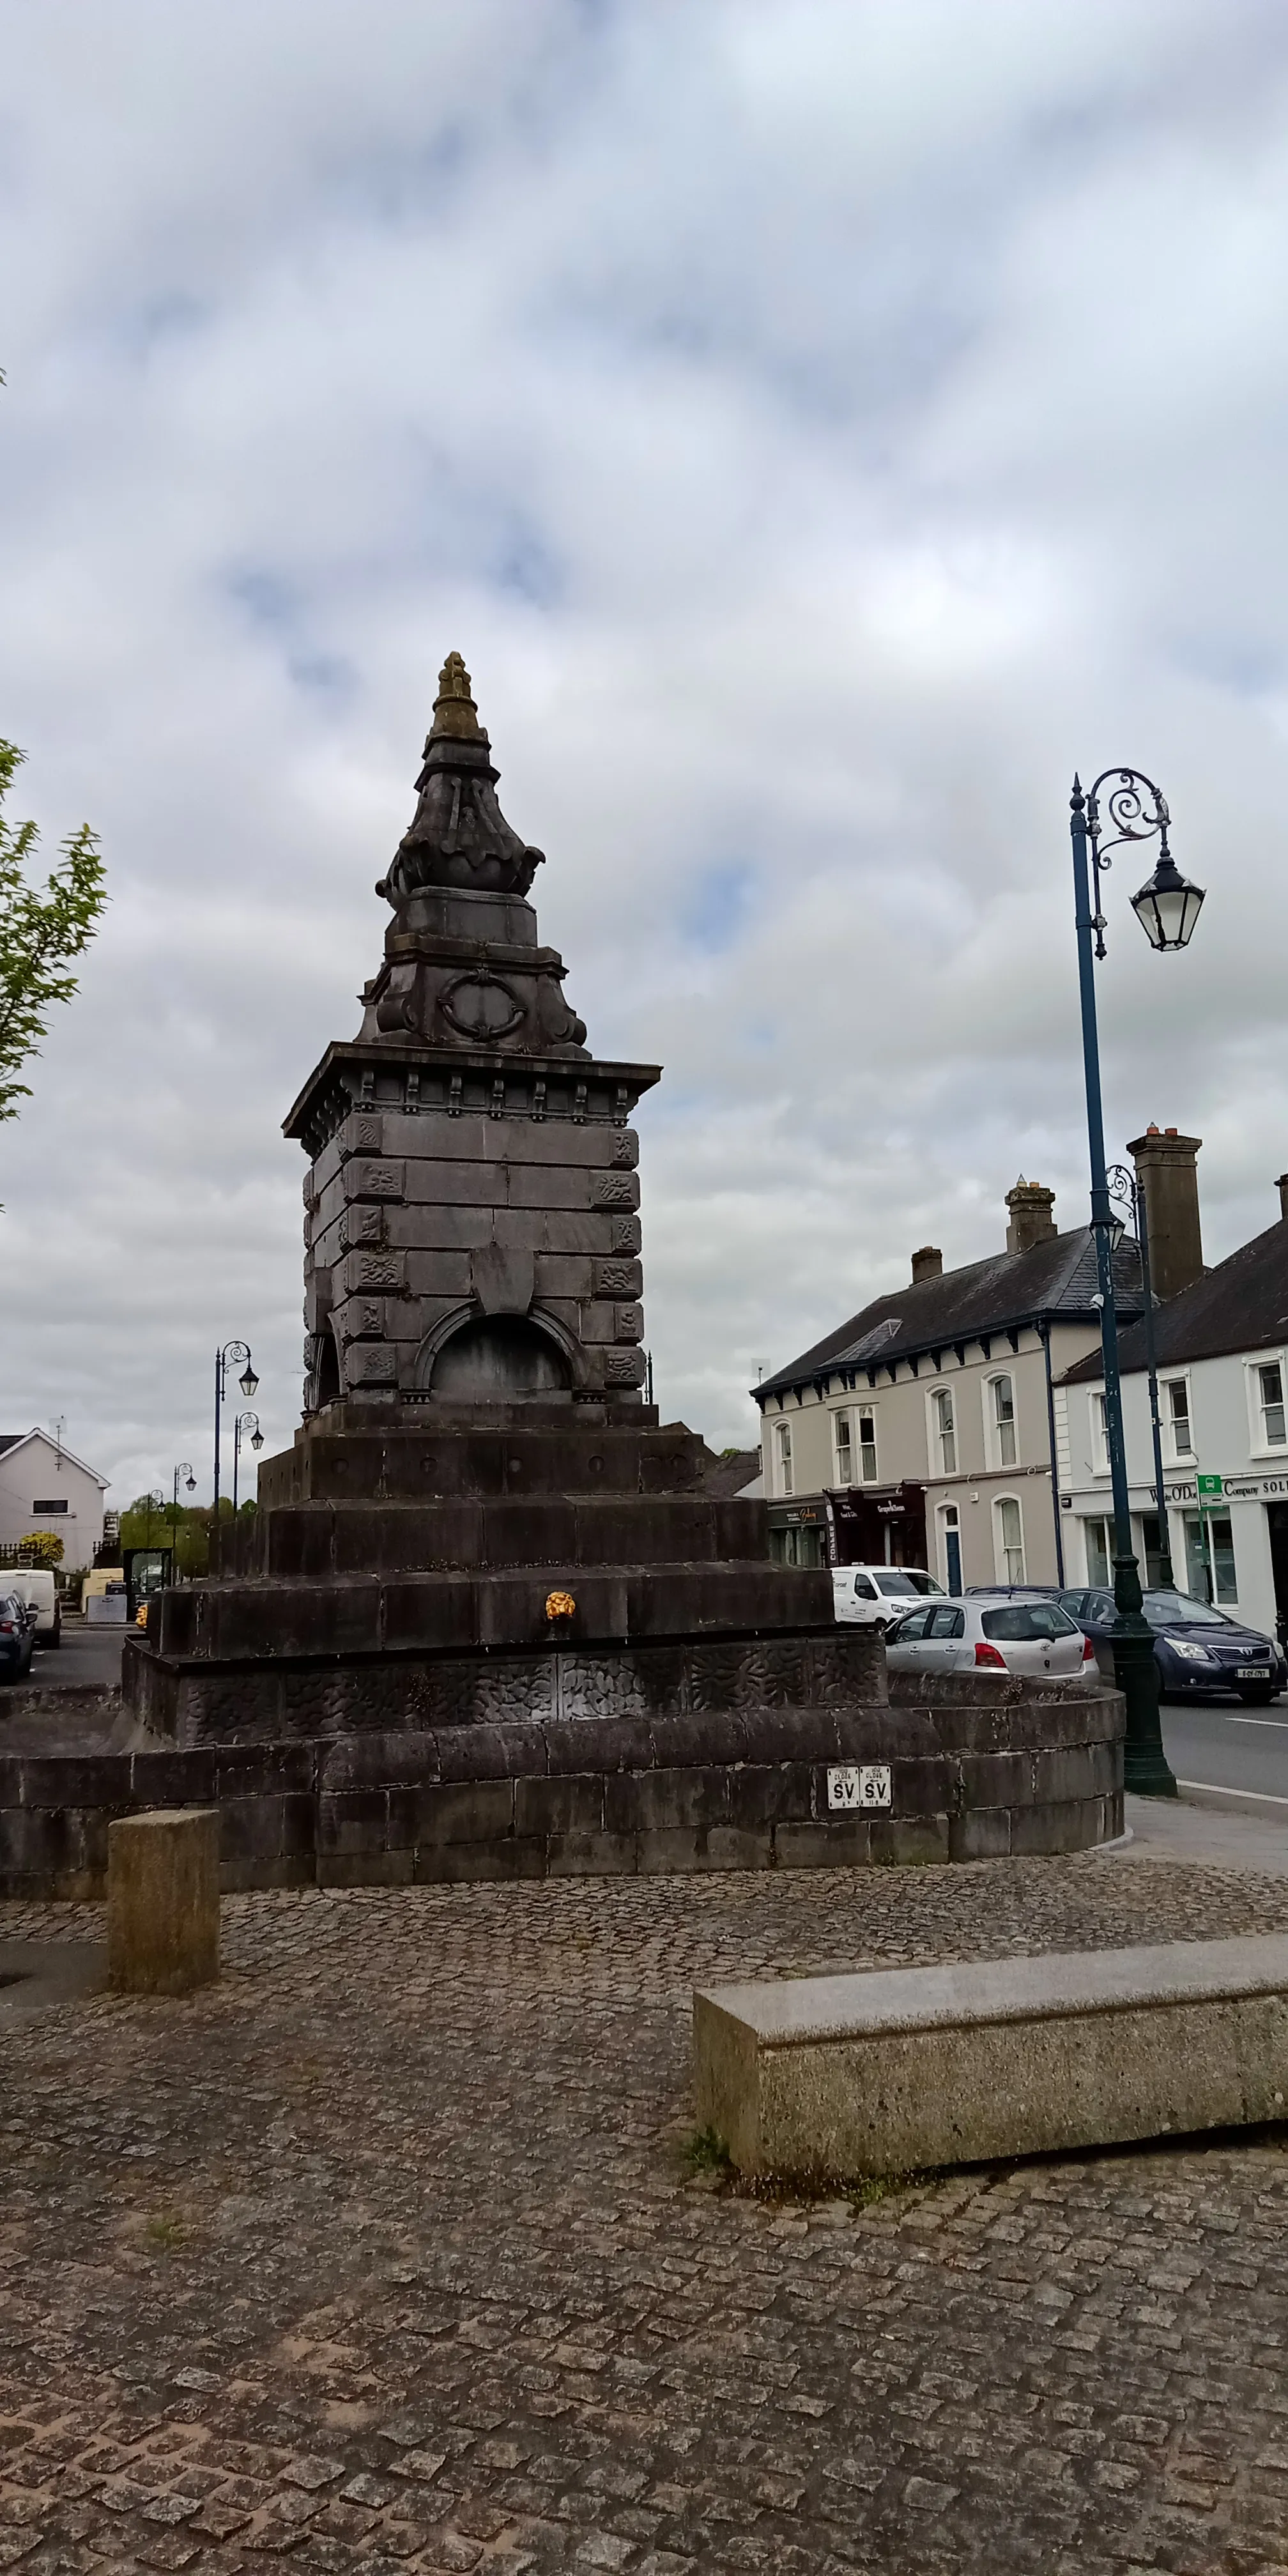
(224, 1360)
(191, 1482)
(1124, 1186)
(248, 1423)
(1167, 907)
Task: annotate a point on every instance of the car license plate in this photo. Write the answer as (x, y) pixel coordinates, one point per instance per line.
(1254, 1672)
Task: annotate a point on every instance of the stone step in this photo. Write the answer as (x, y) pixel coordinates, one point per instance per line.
(373, 1537)
(836, 2077)
(448, 1611)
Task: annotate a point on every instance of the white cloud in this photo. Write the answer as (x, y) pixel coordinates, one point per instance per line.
(820, 430)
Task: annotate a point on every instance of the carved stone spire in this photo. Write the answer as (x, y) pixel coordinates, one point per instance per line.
(463, 966)
(459, 835)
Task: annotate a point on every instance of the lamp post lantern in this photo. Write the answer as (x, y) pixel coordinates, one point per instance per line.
(247, 1423)
(1167, 908)
(224, 1360)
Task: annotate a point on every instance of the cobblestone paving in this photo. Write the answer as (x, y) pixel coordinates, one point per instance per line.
(384, 2255)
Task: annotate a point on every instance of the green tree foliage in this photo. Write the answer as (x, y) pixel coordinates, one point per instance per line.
(40, 934)
(151, 1521)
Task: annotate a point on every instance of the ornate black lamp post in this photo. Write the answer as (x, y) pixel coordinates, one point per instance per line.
(249, 1424)
(1167, 909)
(224, 1360)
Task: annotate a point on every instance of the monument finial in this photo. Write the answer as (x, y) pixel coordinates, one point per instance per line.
(455, 713)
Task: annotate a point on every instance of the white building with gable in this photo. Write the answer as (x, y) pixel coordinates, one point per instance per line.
(43, 1486)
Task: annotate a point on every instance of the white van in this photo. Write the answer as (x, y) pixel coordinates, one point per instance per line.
(874, 1596)
(35, 1585)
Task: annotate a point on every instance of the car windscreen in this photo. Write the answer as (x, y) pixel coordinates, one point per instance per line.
(895, 1581)
(1026, 1623)
(1177, 1610)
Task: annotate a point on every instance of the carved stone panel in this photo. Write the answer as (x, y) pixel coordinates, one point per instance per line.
(364, 1318)
(362, 1226)
(625, 1235)
(626, 1148)
(364, 1180)
(623, 1368)
(614, 1190)
(628, 1323)
(362, 1133)
(371, 1364)
(600, 1686)
(377, 1270)
(617, 1279)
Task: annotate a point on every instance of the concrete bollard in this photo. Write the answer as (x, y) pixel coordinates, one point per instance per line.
(163, 1901)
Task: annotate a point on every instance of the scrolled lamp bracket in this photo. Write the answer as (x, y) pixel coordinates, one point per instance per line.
(1168, 906)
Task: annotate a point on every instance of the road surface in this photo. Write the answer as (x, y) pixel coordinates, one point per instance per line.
(1221, 1747)
(90, 1657)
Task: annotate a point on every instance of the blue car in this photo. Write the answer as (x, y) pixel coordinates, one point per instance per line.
(1198, 1650)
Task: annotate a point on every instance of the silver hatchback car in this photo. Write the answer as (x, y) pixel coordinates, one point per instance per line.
(1036, 1638)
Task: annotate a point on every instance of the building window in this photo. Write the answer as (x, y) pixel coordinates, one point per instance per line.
(844, 1449)
(1176, 1416)
(784, 1432)
(868, 1448)
(945, 1431)
(1209, 1557)
(1100, 1571)
(950, 1548)
(49, 1507)
(1001, 1421)
(1010, 1540)
(1099, 1437)
(800, 1547)
(1270, 1405)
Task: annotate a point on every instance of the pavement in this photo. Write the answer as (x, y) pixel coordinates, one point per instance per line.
(393, 2251)
(1206, 1828)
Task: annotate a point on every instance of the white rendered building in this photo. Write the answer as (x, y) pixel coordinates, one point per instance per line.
(44, 1487)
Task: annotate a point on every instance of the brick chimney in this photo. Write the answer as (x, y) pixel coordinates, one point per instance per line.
(927, 1264)
(1167, 1172)
(1029, 1208)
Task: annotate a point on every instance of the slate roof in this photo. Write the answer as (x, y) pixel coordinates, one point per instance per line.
(731, 1475)
(1055, 1282)
(1241, 1305)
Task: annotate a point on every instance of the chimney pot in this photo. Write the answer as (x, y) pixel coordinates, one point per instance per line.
(1282, 1187)
(1167, 1176)
(1151, 1130)
(1029, 1208)
(927, 1264)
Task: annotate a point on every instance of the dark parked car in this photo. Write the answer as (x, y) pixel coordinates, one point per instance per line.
(1198, 1650)
(17, 1637)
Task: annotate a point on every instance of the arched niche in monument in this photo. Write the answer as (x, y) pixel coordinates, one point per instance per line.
(496, 1358)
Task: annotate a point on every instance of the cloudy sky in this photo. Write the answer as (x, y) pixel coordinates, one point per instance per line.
(821, 424)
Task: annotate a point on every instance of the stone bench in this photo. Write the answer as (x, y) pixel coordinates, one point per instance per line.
(899, 2069)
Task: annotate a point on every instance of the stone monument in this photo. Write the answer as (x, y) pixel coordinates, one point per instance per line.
(481, 1518)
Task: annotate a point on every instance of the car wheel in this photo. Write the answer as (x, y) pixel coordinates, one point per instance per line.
(1260, 1698)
